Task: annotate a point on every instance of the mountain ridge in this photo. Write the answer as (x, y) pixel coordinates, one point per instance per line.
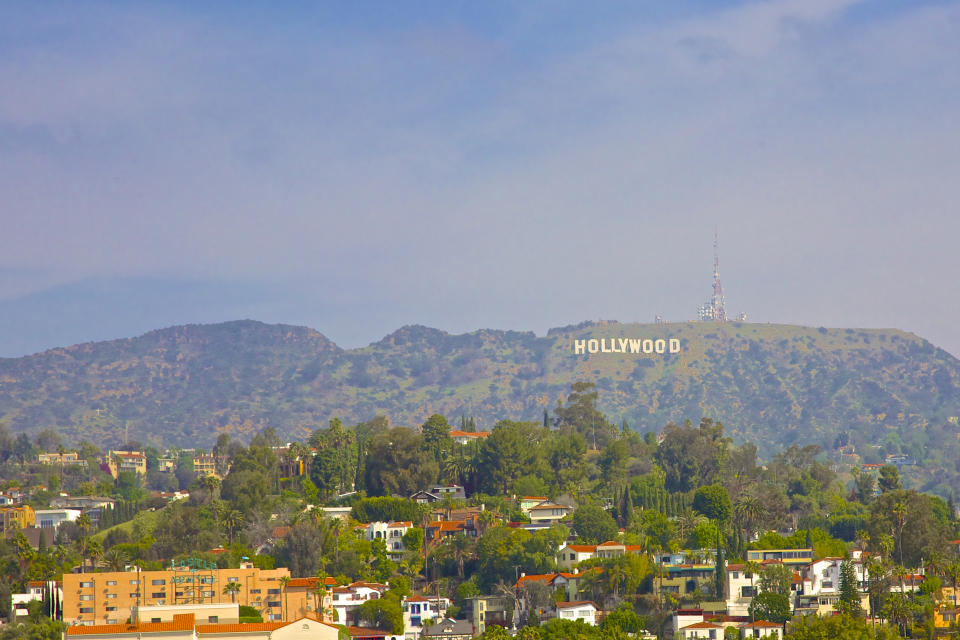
(772, 384)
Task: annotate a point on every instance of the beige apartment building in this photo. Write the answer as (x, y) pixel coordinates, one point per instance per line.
(132, 461)
(109, 598)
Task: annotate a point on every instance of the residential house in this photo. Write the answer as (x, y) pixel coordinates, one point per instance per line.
(132, 461)
(391, 533)
(490, 610)
(450, 491)
(205, 465)
(419, 609)
(581, 610)
(820, 590)
(17, 517)
(702, 631)
(570, 555)
(790, 557)
(548, 512)
(302, 597)
(67, 458)
(449, 630)
(81, 502)
(345, 600)
(762, 629)
(464, 437)
(53, 518)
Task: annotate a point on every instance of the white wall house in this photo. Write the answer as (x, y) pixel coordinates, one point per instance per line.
(582, 610)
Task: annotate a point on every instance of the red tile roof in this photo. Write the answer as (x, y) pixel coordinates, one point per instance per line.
(181, 622)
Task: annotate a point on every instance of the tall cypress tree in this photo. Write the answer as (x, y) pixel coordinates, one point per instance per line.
(721, 571)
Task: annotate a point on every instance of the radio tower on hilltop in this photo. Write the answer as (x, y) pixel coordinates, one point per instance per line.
(715, 310)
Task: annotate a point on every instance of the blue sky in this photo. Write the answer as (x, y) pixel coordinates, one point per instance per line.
(359, 166)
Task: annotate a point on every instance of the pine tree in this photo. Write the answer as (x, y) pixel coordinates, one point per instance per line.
(546, 418)
(627, 506)
(849, 592)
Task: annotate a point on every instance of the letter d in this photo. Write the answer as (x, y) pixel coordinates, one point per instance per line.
(674, 345)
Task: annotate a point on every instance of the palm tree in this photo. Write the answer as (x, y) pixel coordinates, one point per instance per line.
(83, 525)
(95, 551)
(749, 513)
(751, 569)
(952, 571)
(283, 589)
(900, 512)
(116, 559)
(231, 521)
(232, 589)
(460, 548)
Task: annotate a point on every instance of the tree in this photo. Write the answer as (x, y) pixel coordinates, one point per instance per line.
(692, 456)
(776, 578)
(849, 602)
(232, 589)
(830, 628)
(713, 501)
(436, 435)
(509, 452)
(720, 571)
(581, 416)
(889, 478)
(771, 606)
(334, 468)
(398, 463)
(594, 525)
(383, 613)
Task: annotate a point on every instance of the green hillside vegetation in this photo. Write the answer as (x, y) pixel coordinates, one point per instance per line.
(774, 385)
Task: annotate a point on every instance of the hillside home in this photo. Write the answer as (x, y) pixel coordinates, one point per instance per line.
(789, 557)
(132, 461)
(582, 610)
(345, 600)
(489, 610)
(53, 518)
(465, 437)
(186, 627)
(66, 459)
(418, 610)
(449, 630)
(547, 512)
(391, 533)
(702, 631)
(762, 629)
(16, 517)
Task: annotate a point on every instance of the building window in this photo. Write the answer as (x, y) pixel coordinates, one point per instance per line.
(134, 582)
(85, 584)
(157, 583)
(86, 597)
(158, 594)
(111, 621)
(273, 617)
(254, 590)
(113, 608)
(111, 595)
(154, 620)
(273, 592)
(86, 609)
(213, 619)
(111, 583)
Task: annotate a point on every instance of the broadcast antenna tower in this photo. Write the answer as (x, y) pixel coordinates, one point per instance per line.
(719, 306)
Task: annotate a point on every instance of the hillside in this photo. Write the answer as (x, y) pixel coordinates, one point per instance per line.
(772, 384)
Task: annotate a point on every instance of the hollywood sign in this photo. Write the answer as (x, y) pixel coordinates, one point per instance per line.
(626, 345)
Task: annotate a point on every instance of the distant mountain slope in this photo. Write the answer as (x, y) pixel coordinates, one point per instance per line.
(772, 384)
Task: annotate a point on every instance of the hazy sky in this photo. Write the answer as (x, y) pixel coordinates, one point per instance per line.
(359, 166)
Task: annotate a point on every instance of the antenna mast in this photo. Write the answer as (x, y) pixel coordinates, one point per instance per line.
(718, 303)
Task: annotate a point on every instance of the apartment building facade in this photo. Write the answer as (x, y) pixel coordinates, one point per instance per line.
(110, 597)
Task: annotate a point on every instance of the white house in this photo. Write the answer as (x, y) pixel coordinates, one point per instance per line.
(581, 610)
(391, 533)
(420, 609)
(572, 554)
(548, 512)
(741, 587)
(702, 631)
(346, 599)
(761, 629)
(53, 518)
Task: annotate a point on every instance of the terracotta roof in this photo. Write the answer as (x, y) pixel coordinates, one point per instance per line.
(181, 622)
(240, 627)
(405, 523)
(541, 498)
(763, 624)
(365, 632)
(547, 505)
(310, 582)
(456, 433)
(578, 603)
(582, 548)
(445, 525)
(703, 625)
